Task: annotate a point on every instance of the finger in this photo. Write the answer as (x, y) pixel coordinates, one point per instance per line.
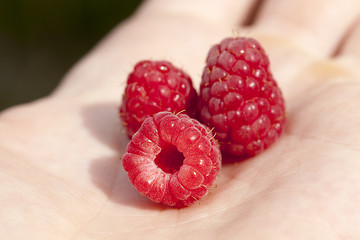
(348, 55)
(226, 13)
(351, 46)
(299, 34)
(178, 31)
(317, 26)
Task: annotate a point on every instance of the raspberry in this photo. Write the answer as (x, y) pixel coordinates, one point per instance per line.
(155, 86)
(172, 159)
(240, 99)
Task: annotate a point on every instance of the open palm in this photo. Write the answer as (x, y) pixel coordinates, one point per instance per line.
(60, 168)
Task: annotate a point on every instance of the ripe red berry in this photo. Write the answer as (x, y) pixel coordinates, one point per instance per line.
(240, 98)
(155, 86)
(172, 159)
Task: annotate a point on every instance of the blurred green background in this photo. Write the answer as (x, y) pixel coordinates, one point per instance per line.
(40, 40)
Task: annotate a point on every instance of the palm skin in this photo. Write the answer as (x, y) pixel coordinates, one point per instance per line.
(60, 166)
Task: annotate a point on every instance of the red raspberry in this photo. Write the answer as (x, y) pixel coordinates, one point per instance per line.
(172, 159)
(152, 87)
(240, 98)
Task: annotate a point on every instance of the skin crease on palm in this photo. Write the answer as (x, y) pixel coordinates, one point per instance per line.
(60, 167)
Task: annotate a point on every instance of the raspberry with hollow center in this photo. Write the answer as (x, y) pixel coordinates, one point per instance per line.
(155, 86)
(172, 159)
(240, 98)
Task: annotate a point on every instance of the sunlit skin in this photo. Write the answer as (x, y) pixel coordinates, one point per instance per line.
(60, 166)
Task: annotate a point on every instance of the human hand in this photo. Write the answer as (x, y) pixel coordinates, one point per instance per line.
(60, 169)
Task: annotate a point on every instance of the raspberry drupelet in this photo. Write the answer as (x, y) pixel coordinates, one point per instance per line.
(239, 97)
(172, 159)
(155, 86)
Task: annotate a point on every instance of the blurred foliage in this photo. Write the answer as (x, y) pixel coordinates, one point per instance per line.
(40, 40)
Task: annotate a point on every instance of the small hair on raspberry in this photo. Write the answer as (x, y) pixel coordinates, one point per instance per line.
(172, 159)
